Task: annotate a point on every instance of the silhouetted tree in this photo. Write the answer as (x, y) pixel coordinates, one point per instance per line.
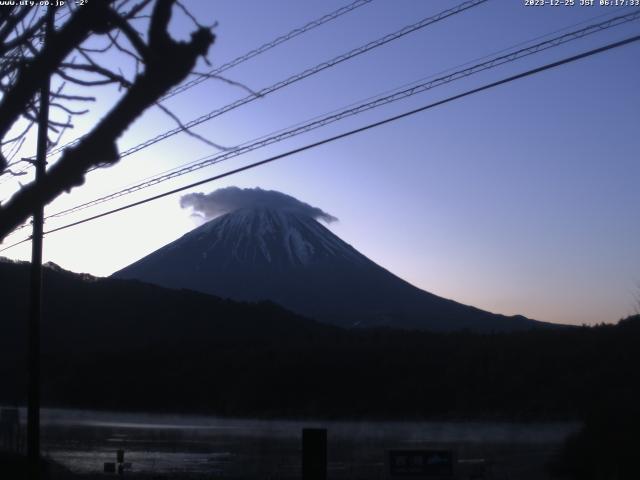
(69, 57)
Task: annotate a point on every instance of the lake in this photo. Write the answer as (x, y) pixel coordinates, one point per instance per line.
(159, 444)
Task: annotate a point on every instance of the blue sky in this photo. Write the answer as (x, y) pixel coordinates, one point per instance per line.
(522, 199)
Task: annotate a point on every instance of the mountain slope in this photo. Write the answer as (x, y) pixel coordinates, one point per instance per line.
(288, 257)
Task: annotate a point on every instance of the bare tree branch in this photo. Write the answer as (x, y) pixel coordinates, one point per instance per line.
(74, 32)
(79, 98)
(23, 37)
(12, 20)
(80, 81)
(187, 130)
(93, 68)
(167, 62)
(188, 14)
(229, 81)
(136, 9)
(57, 140)
(68, 110)
(132, 35)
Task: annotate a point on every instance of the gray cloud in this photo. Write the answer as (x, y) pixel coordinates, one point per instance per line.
(225, 200)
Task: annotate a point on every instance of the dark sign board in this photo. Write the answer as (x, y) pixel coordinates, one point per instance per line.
(421, 463)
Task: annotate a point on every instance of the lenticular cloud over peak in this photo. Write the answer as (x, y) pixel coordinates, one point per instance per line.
(229, 199)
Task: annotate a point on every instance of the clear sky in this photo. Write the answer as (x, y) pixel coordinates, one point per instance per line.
(523, 199)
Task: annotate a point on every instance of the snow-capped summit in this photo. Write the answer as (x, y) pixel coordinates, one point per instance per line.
(279, 251)
(267, 235)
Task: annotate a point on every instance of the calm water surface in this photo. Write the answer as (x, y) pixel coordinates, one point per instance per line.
(163, 444)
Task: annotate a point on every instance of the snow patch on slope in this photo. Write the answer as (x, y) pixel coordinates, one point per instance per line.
(269, 235)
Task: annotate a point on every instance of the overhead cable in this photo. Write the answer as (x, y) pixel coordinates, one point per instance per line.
(295, 78)
(354, 110)
(394, 118)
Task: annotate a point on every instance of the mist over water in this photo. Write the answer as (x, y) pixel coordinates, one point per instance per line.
(155, 443)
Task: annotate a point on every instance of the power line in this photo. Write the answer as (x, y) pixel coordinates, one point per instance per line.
(377, 102)
(15, 244)
(268, 46)
(512, 78)
(249, 55)
(394, 118)
(369, 46)
(299, 76)
(309, 72)
(406, 85)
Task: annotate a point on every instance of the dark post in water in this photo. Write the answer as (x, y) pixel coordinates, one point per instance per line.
(314, 454)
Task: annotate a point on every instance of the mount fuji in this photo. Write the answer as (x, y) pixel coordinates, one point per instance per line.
(276, 251)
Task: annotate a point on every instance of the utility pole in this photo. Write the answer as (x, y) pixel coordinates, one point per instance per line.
(35, 298)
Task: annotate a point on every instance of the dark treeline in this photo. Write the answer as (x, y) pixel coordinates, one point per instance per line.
(377, 374)
(115, 344)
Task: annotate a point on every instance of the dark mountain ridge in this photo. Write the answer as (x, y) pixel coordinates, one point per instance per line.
(102, 314)
(116, 344)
